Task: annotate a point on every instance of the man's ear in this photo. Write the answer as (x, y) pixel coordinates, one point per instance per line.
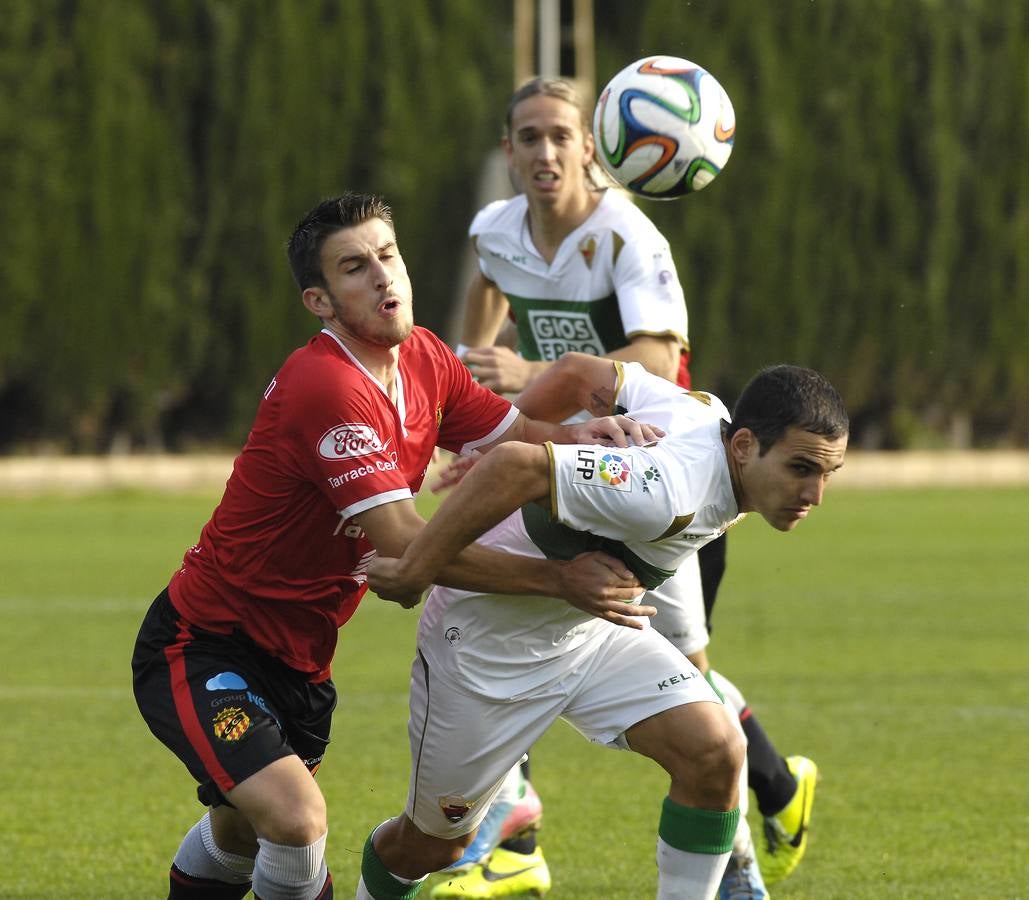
(317, 302)
(589, 149)
(743, 445)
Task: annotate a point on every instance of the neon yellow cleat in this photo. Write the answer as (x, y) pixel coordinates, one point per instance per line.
(504, 874)
(785, 833)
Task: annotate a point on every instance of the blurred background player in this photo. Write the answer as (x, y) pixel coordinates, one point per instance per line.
(571, 264)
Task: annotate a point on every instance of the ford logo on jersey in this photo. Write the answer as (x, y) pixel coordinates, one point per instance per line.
(349, 440)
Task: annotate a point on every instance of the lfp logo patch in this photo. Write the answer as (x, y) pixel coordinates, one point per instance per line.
(615, 472)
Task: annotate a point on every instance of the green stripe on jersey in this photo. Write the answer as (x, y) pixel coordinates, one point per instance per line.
(548, 329)
(557, 541)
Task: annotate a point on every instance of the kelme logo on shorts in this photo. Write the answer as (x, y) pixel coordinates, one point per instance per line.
(230, 723)
(349, 440)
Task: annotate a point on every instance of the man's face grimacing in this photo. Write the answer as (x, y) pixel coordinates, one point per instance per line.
(790, 478)
(368, 288)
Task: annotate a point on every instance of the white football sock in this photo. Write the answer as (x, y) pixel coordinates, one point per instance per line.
(198, 855)
(290, 873)
(682, 875)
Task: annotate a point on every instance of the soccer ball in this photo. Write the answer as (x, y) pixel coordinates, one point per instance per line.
(663, 127)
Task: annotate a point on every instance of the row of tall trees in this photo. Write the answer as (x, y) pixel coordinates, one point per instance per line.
(873, 221)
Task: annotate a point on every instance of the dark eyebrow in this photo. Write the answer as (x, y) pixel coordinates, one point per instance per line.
(813, 463)
(359, 257)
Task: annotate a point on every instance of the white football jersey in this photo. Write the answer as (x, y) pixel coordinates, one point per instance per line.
(612, 278)
(649, 506)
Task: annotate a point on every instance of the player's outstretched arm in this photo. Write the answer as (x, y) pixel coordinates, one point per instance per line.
(594, 582)
(486, 494)
(576, 382)
(610, 431)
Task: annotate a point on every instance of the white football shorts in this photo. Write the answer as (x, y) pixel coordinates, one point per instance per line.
(464, 744)
(680, 608)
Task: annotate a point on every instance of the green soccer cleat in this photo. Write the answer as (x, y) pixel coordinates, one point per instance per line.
(785, 833)
(504, 874)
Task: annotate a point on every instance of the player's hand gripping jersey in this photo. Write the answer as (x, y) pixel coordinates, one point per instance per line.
(652, 507)
(279, 558)
(612, 278)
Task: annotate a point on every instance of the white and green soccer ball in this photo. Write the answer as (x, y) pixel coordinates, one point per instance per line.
(664, 127)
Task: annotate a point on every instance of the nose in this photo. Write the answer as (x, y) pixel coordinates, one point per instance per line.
(813, 490)
(545, 148)
(383, 276)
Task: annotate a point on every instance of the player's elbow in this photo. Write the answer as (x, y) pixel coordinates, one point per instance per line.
(519, 469)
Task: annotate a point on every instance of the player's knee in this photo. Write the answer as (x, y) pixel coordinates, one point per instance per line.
(298, 825)
(708, 765)
(720, 757)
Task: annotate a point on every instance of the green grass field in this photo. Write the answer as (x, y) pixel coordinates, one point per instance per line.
(886, 639)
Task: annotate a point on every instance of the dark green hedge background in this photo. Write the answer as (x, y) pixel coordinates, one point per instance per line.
(873, 221)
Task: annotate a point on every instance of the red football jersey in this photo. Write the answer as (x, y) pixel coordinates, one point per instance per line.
(278, 559)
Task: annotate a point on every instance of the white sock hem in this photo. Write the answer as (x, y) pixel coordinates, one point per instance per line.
(289, 865)
(240, 865)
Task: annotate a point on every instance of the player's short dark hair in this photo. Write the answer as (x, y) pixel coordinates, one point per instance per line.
(780, 397)
(305, 244)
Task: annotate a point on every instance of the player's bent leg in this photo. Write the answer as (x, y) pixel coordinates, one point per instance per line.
(286, 810)
(206, 869)
(696, 744)
(398, 855)
(786, 833)
(703, 754)
(504, 859)
(742, 879)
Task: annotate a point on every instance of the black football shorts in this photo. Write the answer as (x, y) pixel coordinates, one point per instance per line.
(221, 704)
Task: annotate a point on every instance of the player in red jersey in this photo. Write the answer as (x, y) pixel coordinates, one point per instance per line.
(231, 668)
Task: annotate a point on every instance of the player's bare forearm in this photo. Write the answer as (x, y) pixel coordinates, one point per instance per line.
(485, 495)
(575, 382)
(610, 431)
(592, 582)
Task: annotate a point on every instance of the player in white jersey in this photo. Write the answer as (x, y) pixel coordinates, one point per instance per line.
(571, 266)
(611, 277)
(492, 672)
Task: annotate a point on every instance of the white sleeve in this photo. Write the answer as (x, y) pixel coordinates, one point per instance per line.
(650, 297)
(611, 492)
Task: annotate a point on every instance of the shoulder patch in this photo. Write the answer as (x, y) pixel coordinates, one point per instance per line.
(617, 242)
